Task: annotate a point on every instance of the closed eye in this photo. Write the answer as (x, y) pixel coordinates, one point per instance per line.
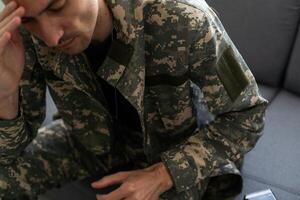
(57, 5)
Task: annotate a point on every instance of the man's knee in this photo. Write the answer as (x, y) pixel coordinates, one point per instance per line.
(14, 184)
(7, 184)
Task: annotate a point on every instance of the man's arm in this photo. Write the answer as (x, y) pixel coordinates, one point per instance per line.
(22, 112)
(9, 107)
(11, 59)
(19, 127)
(231, 96)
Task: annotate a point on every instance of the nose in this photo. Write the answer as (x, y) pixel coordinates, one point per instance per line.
(48, 30)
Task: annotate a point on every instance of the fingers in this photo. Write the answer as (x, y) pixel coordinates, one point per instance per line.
(4, 39)
(110, 180)
(19, 12)
(11, 26)
(12, 21)
(11, 6)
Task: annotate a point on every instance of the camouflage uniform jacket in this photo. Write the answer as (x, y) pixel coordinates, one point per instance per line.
(198, 103)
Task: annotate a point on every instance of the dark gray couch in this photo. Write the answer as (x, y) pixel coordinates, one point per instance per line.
(267, 34)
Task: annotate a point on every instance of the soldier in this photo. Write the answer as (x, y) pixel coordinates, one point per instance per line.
(153, 90)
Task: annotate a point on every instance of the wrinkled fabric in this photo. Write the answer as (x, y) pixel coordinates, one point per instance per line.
(197, 101)
(49, 161)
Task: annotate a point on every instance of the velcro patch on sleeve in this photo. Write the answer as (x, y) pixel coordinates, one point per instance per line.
(231, 74)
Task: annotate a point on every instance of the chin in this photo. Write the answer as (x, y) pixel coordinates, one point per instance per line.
(72, 51)
(77, 48)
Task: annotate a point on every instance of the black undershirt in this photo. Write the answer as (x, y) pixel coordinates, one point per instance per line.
(124, 114)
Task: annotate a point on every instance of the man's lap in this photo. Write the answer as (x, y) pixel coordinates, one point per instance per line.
(52, 160)
(49, 161)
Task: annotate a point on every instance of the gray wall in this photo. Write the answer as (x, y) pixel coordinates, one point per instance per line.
(1, 5)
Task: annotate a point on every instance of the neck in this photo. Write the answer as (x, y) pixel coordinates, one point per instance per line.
(104, 25)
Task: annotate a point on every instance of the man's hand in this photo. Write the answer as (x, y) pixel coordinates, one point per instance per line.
(144, 184)
(11, 49)
(11, 59)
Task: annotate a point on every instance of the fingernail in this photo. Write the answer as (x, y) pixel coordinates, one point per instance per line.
(94, 184)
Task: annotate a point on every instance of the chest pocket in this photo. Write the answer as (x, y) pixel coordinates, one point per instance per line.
(173, 106)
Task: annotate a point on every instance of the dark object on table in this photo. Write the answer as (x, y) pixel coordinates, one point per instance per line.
(261, 195)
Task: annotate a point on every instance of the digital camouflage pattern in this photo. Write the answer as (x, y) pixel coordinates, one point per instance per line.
(48, 161)
(198, 103)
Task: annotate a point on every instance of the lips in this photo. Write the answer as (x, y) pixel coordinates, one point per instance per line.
(66, 43)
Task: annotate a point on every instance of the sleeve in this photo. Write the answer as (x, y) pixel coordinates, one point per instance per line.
(15, 135)
(225, 91)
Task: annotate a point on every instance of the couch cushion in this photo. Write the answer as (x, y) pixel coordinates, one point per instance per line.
(275, 160)
(267, 92)
(263, 31)
(292, 80)
(253, 185)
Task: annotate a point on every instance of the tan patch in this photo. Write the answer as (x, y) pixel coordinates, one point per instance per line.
(3, 185)
(117, 74)
(181, 49)
(104, 131)
(180, 118)
(178, 157)
(78, 125)
(184, 165)
(210, 78)
(46, 166)
(163, 16)
(212, 89)
(138, 93)
(138, 13)
(167, 60)
(21, 178)
(254, 100)
(120, 15)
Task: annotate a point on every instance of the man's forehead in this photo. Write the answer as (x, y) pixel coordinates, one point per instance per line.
(32, 7)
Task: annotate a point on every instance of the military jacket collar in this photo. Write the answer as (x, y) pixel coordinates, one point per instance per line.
(124, 67)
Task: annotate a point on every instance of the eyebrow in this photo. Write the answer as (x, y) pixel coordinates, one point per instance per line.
(48, 6)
